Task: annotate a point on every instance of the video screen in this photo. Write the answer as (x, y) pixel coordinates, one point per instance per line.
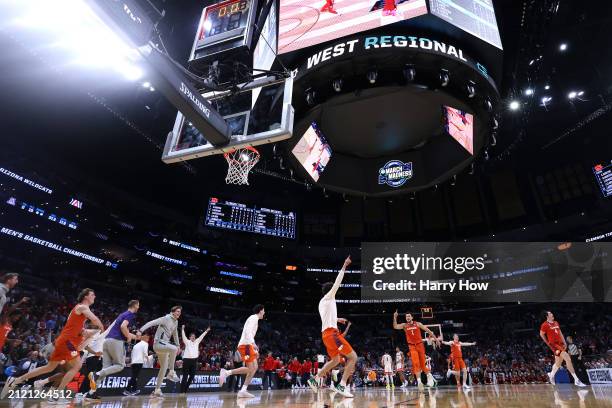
(313, 152)
(460, 125)
(476, 17)
(304, 23)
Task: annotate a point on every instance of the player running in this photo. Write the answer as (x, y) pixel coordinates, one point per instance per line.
(335, 343)
(248, 351)
(550, 332)
(387, 364)
(399, 366)
(457, 359)
(414, 338)
(67, 346)
(329, 7)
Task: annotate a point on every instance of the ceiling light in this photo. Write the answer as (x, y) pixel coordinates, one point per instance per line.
(146, 84)
(547, 87)
(529, 91)
(563, 47)
(572, 95)
(515, 105)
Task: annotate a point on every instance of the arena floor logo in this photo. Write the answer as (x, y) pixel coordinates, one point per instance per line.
(395, 173)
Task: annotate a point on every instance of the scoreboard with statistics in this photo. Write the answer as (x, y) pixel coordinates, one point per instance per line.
(603, 174)
(249, 218)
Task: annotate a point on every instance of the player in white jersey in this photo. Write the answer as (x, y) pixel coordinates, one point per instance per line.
(387, 364)
(399, 366)
(248, 351)
(336, 345)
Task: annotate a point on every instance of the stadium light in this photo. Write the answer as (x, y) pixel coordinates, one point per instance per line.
(471, 89)
(73, 29)
(372, 76)
(146, 84)
(337, 84)
(515, 105)
(563, 47)
(444, 77)
(409, 72)
(547, 87)
(529, 91)
(572, 95)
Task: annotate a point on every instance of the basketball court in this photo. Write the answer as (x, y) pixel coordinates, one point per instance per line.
(507, 396)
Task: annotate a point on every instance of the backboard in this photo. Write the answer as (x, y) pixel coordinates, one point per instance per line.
(258, 113)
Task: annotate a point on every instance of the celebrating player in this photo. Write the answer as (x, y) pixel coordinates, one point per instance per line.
(167, 327)
(550, 332)
(457, 359)
(67, 345)
(414, 338)
(329, 7)
(387, 363)
(390, 8)
(248, 351)
(335, 343)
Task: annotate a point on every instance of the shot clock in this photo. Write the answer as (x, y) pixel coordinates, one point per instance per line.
(225, 26)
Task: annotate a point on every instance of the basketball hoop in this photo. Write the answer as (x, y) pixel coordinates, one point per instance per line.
(240, 162)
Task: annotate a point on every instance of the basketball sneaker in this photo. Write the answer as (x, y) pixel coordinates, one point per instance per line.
(551, 378)
(245, 394)
(343, 391)
(579, 383)
(223, 376)
(157, 393)
(388, 387)
(172, 376)
(312, 383)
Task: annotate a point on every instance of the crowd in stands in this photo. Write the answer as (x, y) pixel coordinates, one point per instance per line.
(508, 348)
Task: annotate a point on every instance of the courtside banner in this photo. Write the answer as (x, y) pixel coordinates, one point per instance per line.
(486, 272)
(600, 375)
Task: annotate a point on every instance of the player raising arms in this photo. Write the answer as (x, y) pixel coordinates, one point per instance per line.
(248, 351)
(550, 332)
(335, 343)
(68, 344)
(457, 359)
(414, 338)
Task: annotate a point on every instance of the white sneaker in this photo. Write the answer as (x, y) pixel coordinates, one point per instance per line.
(340, 389)
(551, 378)
(223, 376)
(333, 388)
(172, 376)
(579, 383)
(466, 387)
(157, 393)
(10, 384)
(420, 386)
(245, 394)
(449, 373)
(39, 384)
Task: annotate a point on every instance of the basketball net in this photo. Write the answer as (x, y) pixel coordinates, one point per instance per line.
(240, 162)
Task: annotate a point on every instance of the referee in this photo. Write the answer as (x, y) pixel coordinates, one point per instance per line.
(575, 353)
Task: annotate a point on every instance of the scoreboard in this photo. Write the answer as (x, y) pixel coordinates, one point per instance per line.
(476, 17)
(242, 217)
(603, 174)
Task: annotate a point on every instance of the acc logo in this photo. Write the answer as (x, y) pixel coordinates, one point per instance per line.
(395, 173)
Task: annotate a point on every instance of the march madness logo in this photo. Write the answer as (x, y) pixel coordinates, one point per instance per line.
(395, 173)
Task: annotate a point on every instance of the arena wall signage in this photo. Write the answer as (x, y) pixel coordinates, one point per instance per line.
(364, 45)
(395, 173)
(166, 258)
(204, 381)
(488, 271)
(600, 375)
(184, 246)
(25, 180)
(56, 247)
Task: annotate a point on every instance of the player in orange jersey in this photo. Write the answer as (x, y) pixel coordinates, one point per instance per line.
(68, 344)
(336, 345)
(412, 330)
(457, 359)
(550, 332)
